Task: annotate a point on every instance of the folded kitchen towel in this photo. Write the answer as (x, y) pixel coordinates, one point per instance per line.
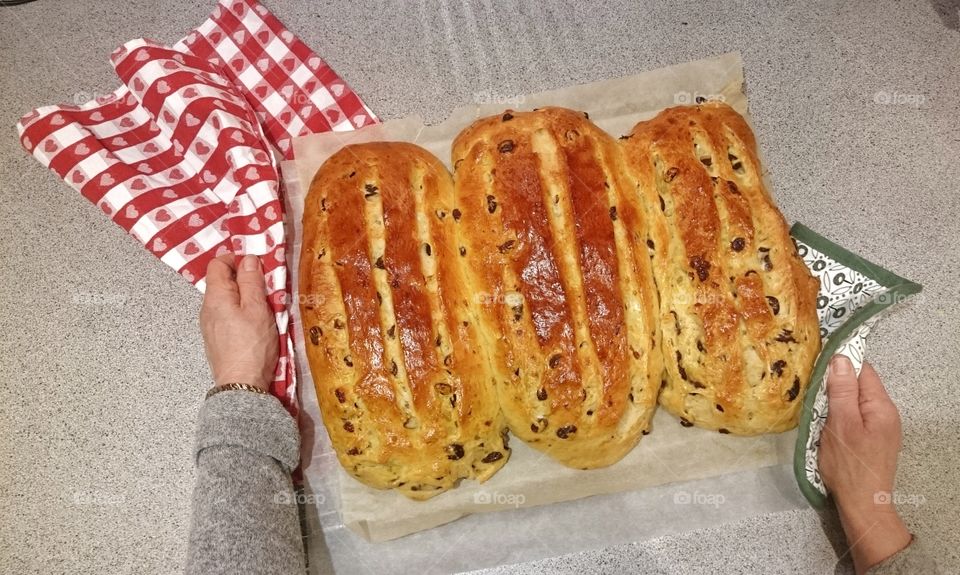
(184, 154)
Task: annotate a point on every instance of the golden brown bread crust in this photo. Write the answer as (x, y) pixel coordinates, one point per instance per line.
(555, 238)
(403, 383)
(549, 281)
(737, 304)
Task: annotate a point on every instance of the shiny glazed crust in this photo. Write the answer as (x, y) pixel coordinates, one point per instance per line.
(544, 289)
(737, 305)
(555, 239)
(389, 317)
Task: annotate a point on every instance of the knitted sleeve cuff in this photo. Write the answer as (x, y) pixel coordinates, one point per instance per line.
(253, 421)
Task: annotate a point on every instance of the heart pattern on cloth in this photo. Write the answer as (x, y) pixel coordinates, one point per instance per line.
(188, 161)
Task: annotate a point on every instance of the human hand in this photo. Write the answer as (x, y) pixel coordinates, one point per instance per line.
(239, 328)
(858, 462)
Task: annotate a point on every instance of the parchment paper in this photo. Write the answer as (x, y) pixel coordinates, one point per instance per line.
(736, 477)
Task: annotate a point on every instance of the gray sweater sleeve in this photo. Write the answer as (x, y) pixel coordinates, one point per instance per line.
(244, 507)
(912, 559)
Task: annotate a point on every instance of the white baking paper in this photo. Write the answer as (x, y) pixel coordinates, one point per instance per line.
(677, 479)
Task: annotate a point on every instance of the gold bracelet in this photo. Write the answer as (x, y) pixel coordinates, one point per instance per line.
(234, 387)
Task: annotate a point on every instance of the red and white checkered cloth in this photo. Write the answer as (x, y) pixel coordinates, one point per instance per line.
(183, 154)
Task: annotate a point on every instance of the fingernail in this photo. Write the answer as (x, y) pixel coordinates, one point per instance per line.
(841, 365)
(249, 263)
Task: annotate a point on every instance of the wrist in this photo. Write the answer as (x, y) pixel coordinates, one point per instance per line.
(874, 533)
(865, 502)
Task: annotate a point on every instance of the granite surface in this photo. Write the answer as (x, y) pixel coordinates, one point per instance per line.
(857, 111)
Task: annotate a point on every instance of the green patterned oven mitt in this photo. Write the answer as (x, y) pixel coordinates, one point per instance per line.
(853, 293)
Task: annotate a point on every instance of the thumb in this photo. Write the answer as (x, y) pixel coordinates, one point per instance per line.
(843, 391)
(250, 281)
(875, 403)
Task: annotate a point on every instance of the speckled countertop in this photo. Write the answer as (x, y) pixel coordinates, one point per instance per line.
(857, 111)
